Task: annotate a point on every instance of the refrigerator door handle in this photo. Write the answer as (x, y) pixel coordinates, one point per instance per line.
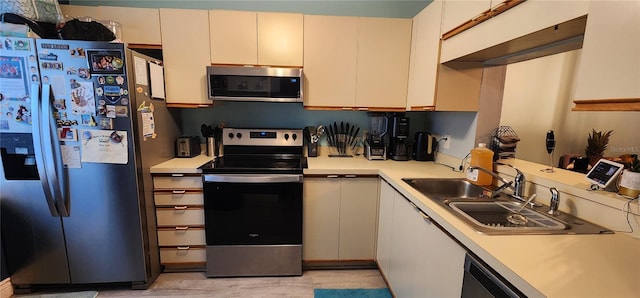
(39, 151)
(54, 164)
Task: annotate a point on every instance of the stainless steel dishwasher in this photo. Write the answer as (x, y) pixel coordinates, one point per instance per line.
(481, 281)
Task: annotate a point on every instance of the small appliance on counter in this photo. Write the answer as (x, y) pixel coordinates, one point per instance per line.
(374, 149)
(399, 146)
(188, 146)
(425, 146)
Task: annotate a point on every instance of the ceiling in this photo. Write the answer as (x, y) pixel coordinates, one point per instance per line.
(370, 8)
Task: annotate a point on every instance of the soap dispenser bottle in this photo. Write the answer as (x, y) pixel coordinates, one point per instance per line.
(482, 157)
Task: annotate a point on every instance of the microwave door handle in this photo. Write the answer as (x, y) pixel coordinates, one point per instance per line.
(55, 166)
(39, 149)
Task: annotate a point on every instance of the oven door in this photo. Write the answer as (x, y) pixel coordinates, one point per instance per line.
(253, 209)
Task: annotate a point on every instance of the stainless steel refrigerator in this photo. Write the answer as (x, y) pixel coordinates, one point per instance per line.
(77, 138)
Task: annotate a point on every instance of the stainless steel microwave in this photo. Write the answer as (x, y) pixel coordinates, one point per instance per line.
(238, 83)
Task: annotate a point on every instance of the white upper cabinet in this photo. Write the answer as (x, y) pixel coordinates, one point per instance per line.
(525, 18)
(609, 67)
(330, 56)
(424, 60)
(280, 39)
(458, 12)
(384, 46)
(356, 63)
(139, 25)
(234, 37)
(256, 38)
(185, 50)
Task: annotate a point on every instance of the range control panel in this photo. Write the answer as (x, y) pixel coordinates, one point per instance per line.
(261, 137)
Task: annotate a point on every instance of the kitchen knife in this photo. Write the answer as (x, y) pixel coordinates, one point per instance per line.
(350, 135)
(336, 136)
(346, 138)
(355, 135)
(330, 135)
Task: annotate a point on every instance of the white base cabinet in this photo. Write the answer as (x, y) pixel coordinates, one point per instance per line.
(339, 219)
(179, 203)
(415, 255)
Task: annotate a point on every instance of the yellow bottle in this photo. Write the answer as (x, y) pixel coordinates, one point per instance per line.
(481, 156)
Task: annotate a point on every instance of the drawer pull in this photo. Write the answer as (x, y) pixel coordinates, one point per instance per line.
(332, 176)
(177, 175)
(180, 207)
(182, 248)
(182, 228)
(350, 176)
(179, 192)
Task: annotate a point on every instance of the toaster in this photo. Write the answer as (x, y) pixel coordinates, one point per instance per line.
(188, 146)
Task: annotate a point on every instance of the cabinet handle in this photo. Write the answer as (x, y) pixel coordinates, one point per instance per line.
(182, 248)
(177, 175)
(332, 176)
(180, 207)
(179, 192)
(182, 228)
(350, 176)
(425, 217)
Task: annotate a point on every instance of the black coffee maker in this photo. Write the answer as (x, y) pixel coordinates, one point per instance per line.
(399, 144)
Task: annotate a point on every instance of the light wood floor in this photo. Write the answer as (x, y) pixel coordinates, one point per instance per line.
(196, 284)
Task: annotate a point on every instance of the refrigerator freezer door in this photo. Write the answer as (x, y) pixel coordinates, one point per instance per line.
(33, 239)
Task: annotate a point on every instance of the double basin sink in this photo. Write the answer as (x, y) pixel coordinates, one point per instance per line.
(486, 214)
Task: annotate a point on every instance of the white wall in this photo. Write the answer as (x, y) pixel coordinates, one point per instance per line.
(537, 98)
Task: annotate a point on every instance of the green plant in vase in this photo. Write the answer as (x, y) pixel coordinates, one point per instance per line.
(597, 143)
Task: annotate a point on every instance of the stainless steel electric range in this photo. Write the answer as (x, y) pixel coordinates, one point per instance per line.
(253, 204)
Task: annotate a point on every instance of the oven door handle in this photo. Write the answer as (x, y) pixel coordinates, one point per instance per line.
(253, 178)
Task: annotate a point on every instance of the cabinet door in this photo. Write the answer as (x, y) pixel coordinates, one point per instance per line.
(609, 66)
(233, 36)
(358, 217)
(74, 11)
(185, 49)
(525, 18)
(139, 25)
(457, 12)
(384, 46)
(330, 59)
(280, 39)
(425, 54)
(385, 222)
(402, 265)
(321, 219)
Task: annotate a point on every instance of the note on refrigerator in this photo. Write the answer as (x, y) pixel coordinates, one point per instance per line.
(71, 156)
(104, 146)
(157, 80)
(140, 69)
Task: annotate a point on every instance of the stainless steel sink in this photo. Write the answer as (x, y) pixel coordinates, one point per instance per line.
(490, 216)
(446, 188)
(487, 215)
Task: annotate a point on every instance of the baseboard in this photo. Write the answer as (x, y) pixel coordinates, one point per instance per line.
(6, 289)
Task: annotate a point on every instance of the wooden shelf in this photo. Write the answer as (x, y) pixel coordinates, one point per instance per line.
(621, 104)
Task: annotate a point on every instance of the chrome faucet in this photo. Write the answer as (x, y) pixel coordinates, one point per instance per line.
(517, 185)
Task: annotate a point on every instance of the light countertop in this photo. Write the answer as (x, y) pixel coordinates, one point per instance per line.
(538, 265)
(181, 165)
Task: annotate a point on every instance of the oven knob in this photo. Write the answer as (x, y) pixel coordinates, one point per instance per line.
(286, 136)
(239, 135)
(294, 136)
(230, 135)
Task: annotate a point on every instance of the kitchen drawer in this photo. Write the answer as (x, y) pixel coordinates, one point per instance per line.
(178, 198)
(180, 236)
(177, 182)
(180, 216)
(182, 255)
